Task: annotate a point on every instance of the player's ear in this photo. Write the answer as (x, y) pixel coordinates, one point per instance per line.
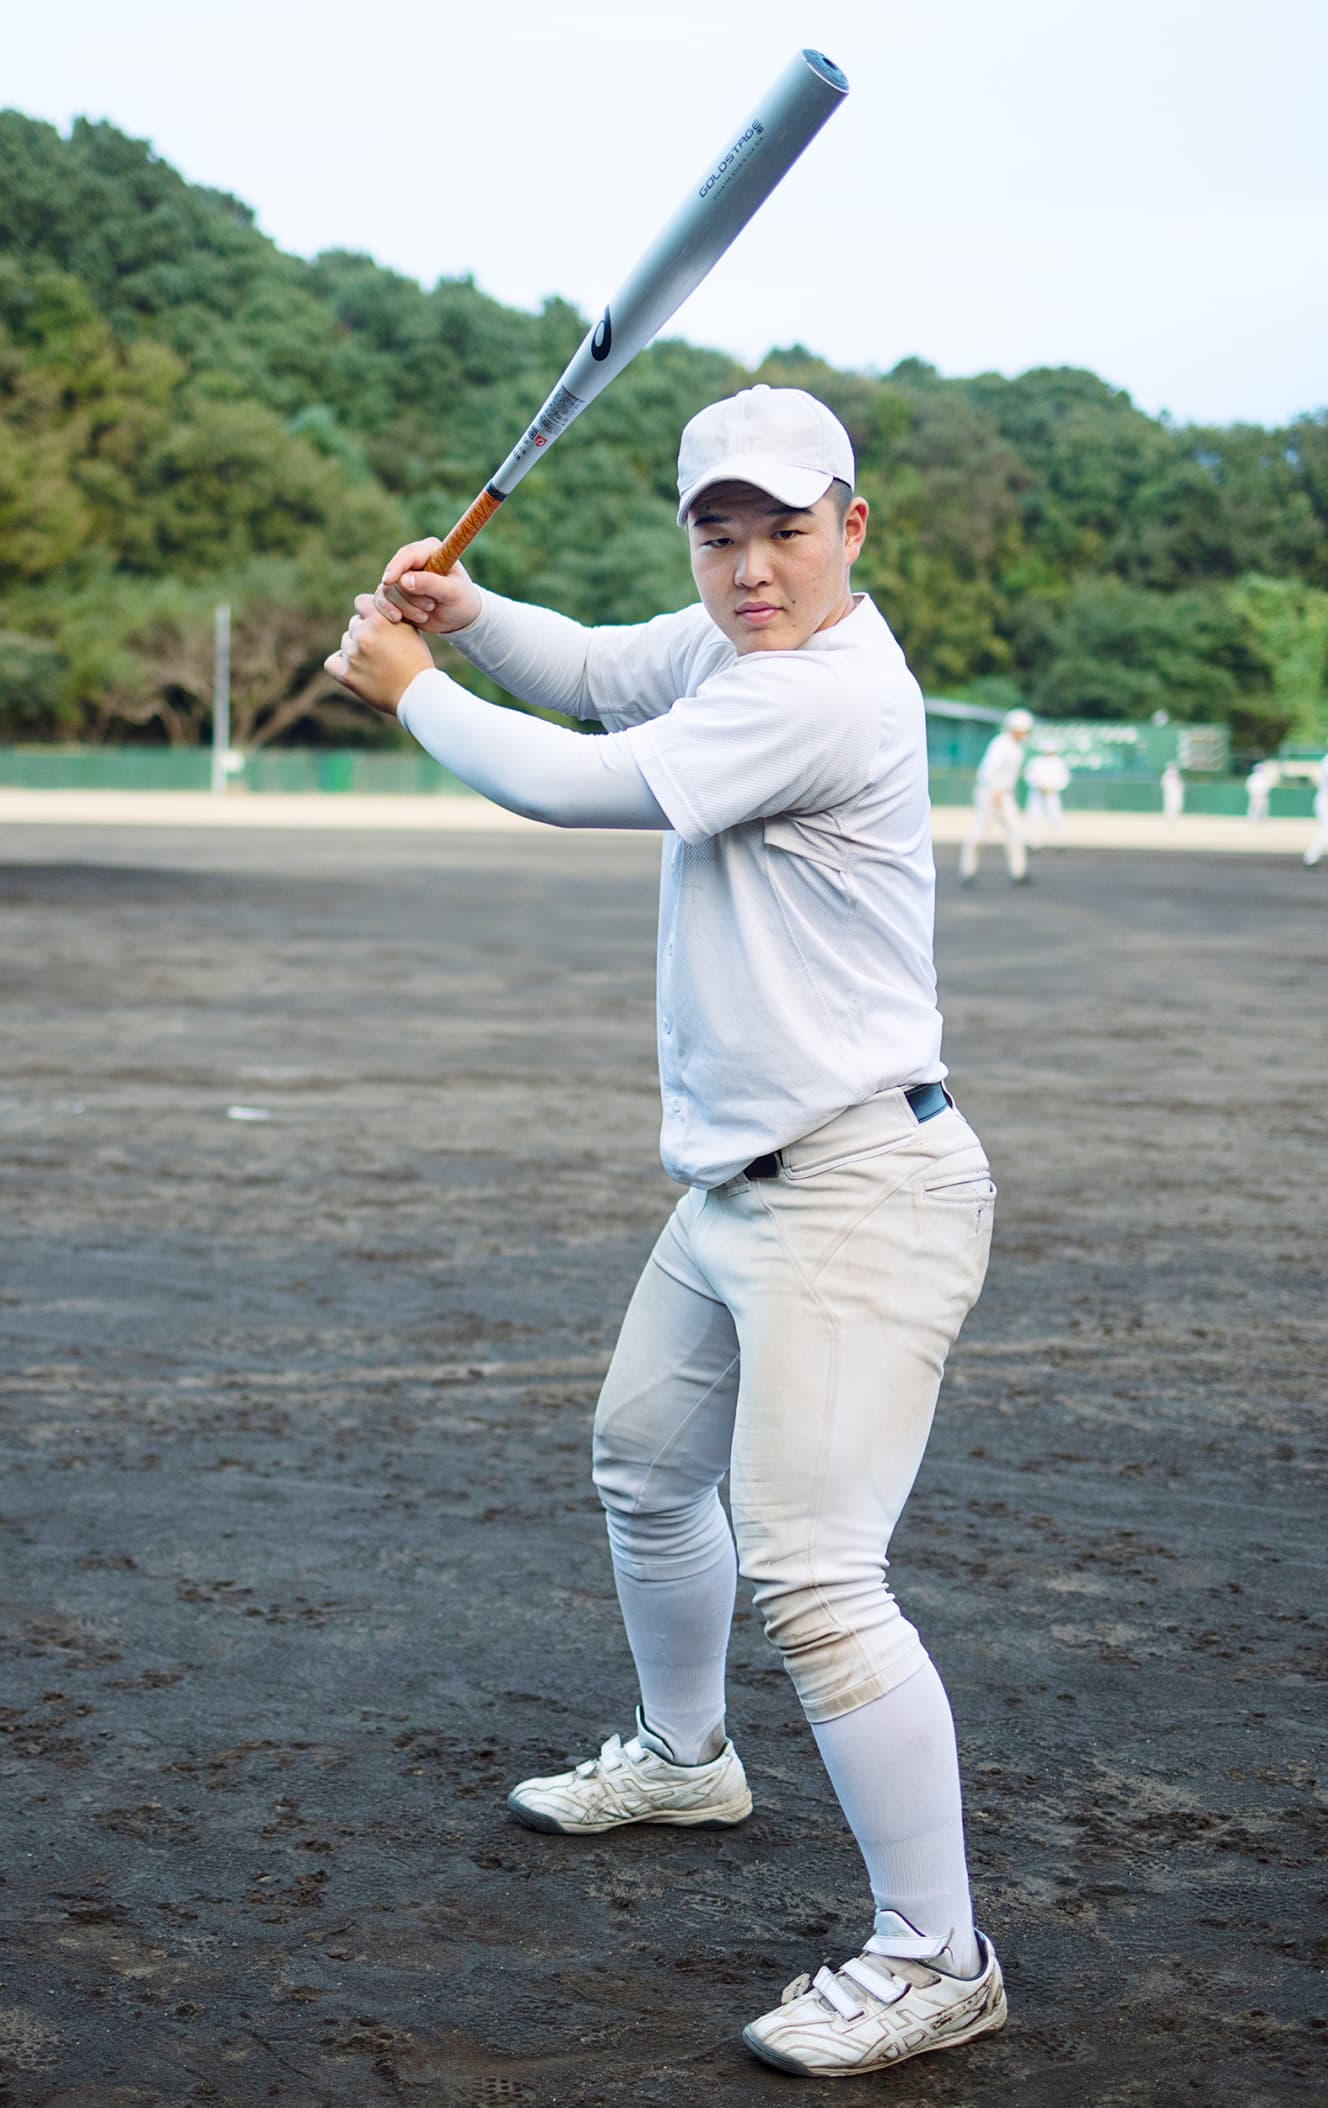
(855, 528)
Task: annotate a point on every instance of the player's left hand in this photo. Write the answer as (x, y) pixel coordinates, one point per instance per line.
(377, 659)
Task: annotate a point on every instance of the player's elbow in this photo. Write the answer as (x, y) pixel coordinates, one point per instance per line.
(528, 806)
(538, 802)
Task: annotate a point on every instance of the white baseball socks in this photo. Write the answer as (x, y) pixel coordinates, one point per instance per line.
(895, 1771)
(926, 1979)
(676, 1592)
(678, 1768)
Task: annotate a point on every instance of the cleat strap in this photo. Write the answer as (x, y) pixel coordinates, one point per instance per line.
(904, 1942)
(835, 1996)
(882, 1984)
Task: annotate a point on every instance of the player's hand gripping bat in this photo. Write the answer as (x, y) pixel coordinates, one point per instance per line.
(713, 213)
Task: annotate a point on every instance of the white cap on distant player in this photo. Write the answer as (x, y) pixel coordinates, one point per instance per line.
(777, 439)
(1018, 721)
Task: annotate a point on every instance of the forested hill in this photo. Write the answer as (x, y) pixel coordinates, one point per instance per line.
(187, 414)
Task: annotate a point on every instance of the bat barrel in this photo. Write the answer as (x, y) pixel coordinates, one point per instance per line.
(725, 196)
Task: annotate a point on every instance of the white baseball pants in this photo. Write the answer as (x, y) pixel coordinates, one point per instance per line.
(991, 805)
(793, 1332)
(1043, 815)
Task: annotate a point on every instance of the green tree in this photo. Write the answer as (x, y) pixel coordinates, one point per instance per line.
(1288, 624)
(33, 703)
(1112, 650)
(1087, 453)
(1227, 502)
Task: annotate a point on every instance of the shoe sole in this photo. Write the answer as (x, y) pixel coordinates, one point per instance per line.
(985, 2026)
(535, 1819)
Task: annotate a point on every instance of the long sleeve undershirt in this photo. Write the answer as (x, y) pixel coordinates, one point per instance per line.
(531, 652)
(542, 771)
(624, 674)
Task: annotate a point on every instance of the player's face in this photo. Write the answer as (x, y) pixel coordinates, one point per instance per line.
(768, 577)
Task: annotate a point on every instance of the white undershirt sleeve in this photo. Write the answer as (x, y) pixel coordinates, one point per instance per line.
(542, 771)
(622, 673)
(532, 652)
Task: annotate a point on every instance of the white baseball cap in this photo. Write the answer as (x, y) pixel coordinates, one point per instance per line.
(778, 439)
(1018, 721)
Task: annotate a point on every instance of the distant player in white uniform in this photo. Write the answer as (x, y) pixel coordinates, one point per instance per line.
(793, 1322)
(1173, 792)
(994, 800)
(1259, 785)
(1314, 854)
(1046, 775)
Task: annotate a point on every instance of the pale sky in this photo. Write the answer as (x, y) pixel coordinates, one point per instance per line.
(1141, 189)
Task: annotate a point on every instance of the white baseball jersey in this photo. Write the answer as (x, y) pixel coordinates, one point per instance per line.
(999, 767)
(1047, 773)
(795, 974)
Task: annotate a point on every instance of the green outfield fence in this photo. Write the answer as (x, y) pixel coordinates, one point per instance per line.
(297, 770)
(1224, 796)
(312, 770)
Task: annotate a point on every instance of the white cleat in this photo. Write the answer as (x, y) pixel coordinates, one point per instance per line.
(633, 1782)
(876, 2010)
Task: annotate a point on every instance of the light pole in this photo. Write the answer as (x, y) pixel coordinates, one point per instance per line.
(221, 698)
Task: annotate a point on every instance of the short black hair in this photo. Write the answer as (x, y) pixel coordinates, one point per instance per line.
(836, 488)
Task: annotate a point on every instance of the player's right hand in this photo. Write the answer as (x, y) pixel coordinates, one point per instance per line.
(431, 600)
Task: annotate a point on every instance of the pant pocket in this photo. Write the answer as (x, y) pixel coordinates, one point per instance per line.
(845, 1159)
(959, 1202)
(966, 1191)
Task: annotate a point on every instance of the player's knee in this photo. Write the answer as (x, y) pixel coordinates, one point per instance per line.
(616, 1479)
(632, 1478)
(842, 1638)
(670, 1544)
(809, 1617)
(623, 1448)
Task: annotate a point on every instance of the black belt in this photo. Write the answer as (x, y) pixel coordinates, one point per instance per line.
(924, 1099)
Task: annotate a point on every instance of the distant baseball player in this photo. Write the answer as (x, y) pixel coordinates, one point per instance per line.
(1046, 775)
(1258, 787)
(1319, 844)
(994, 800)
(793, 1322)
(1173, 792)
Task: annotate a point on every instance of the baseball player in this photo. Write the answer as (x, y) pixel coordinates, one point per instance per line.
(994, 799)
(1047, 776)
(1259, 785)
(1173, 792)
(792, 1324)
(1319, 844)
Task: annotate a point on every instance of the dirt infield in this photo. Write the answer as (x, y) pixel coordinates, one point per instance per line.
(301, 1565)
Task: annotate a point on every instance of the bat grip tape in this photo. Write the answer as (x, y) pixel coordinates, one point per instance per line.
(466, 529)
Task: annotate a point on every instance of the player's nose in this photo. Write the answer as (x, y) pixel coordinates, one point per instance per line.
(752, 568)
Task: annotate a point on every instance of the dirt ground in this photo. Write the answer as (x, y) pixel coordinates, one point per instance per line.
(301, 1566)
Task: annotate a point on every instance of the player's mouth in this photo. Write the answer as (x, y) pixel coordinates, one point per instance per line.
(758, 612)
